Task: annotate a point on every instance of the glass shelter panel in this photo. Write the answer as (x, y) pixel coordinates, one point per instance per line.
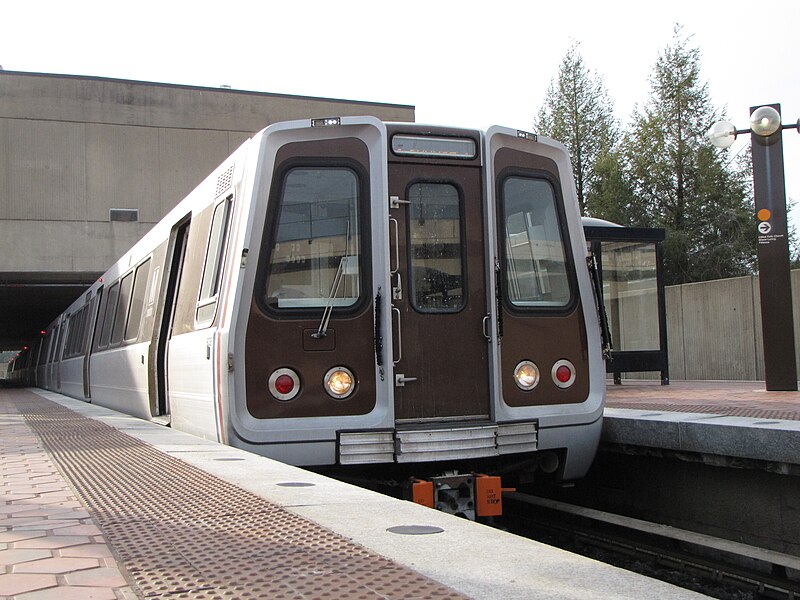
(315, 258)
(630, 291)
(436, 250)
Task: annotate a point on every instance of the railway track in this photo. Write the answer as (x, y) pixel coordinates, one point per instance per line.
(713, 566)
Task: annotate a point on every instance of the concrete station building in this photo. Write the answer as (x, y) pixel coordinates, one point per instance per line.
(88, 165)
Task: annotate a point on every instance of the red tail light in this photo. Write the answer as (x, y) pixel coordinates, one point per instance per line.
(284, 384)
(563, 373)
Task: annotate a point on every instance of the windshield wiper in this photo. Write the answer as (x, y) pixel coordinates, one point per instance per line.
(326, 314)
(335, 285)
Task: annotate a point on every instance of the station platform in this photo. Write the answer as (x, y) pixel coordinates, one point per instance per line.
(98, 505)
(722, 420)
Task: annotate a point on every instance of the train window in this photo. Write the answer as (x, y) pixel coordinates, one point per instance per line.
(108, 316)
(314, 260)
(419, 145)
(122, 308)
(437, 260)
(212, 270)
(535, 260)
(137, 301)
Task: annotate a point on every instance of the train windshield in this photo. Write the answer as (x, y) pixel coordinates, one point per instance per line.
(314, 262)
(535, 265)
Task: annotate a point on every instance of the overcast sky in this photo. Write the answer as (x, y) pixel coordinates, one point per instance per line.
(464, 63)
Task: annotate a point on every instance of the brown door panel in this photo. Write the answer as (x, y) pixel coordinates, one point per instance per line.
(283, 343)
(315, 257)
(442, 273)
(545, 340)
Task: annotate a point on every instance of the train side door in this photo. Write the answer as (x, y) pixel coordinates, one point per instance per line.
(439, 295)
(57, 356)
(53, 382)
(162, 332)
(91, 318)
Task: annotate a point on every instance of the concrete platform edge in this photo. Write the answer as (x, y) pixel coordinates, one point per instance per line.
(772, 440)
(475, 560)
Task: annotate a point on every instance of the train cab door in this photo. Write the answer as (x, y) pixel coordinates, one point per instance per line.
(312, 350)
(439, 305)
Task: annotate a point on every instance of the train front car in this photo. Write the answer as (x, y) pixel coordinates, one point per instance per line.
(549, 361)
(414, 295)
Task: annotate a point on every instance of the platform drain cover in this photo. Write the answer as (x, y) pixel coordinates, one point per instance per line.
(296, 484)
(415, 529)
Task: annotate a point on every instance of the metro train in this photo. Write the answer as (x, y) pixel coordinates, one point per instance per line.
(345, 291)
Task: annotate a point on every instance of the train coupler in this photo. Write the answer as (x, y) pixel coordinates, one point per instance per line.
(464, 495)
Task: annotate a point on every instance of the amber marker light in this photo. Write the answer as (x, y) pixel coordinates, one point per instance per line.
(339, 382)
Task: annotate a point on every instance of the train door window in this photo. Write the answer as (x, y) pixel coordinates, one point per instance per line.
(48, 347)
(80, 347)
(58, 343)
(212, 270)
(122, 308)
(69, 327)
(314, 260)
(75, 333)
(100, 307)
(74, 322)
(71, 324)
(137, 301)
(535, 261)
(437, 260)
(77, 344)
(108, 315)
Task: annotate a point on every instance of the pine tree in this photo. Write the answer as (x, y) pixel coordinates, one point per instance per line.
(577, 112)
(612, 196)
(680, 182)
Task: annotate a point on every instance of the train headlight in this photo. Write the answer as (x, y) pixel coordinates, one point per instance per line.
(526, 375)
(563, 373)
(339, 382)
(284, 384)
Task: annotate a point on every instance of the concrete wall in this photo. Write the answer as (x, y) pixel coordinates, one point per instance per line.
(71, 148)
(714, 329)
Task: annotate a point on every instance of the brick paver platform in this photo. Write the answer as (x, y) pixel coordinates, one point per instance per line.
(732, 398)
(50, 548)
(179, 532)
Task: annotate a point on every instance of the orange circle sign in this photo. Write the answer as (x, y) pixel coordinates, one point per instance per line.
(764, 215)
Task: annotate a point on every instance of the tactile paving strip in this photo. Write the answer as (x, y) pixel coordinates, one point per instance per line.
(183, 533)
(728, 411)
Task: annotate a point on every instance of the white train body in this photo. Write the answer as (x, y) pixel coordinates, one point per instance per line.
(434, 277)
